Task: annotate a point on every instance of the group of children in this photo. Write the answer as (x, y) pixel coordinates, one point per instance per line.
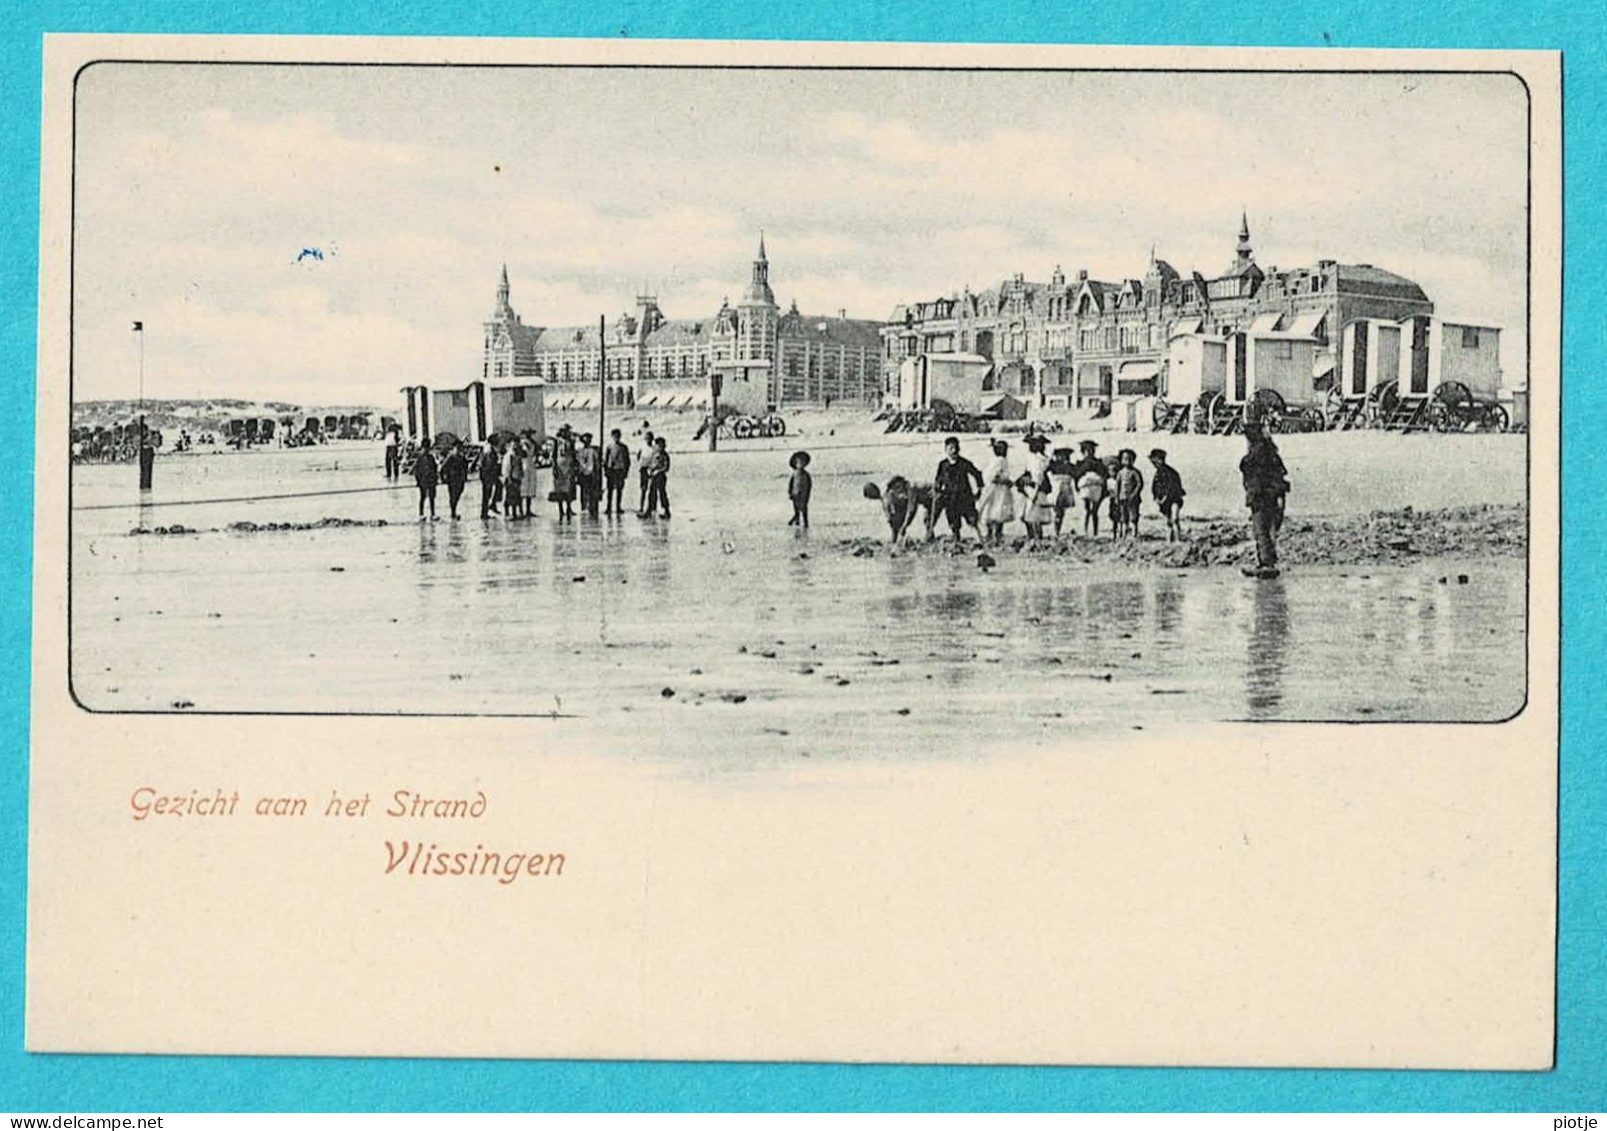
(1042, 490)
(1038, 491)
(1094, 481)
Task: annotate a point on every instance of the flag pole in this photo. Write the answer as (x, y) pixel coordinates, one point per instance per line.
(602, 382)
(144, 454)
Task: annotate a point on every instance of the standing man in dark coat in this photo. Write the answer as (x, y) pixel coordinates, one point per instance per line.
(616, 466)
(490, 479)
(1266, 483)
(658, 474)
(426, 475)
(454, 473)
(588, 471)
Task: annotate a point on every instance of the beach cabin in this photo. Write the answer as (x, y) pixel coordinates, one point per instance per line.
(478, 411)
(517, 408)
(1401, 366)
(1279, 361)
(964, 380)
(1221, 374)
(1196, 364)
(1462, 352)
(745, 386)
(460, 412)
(1375, 351)
(417, 421)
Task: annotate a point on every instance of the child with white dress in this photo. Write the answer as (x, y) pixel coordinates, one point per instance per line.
(1037, 492)
(997, 504)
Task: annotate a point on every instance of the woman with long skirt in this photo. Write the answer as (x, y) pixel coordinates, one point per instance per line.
(563, 473)
(1037, 508)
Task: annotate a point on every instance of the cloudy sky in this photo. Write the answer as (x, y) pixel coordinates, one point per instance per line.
(199, 186)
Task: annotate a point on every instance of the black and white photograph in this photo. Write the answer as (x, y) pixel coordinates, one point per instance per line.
(1015, 405)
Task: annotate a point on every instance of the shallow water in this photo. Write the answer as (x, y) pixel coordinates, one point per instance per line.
(832, 655)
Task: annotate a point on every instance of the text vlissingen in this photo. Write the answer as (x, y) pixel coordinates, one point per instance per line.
(402, 857)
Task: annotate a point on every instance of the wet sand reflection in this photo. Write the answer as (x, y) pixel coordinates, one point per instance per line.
(1266, 649)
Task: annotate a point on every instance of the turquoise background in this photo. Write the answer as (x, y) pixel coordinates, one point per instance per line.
(1579, 1082)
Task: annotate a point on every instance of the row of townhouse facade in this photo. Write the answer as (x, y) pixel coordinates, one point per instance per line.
(1077, 341)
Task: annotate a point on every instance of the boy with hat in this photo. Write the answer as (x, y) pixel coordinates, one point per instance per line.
(1089, 474)
(1167, 487)
(799, 488)
(952, 489)
(1129, 490)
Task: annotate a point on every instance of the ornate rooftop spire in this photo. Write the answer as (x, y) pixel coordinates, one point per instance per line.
(759, 292)
(503, 311)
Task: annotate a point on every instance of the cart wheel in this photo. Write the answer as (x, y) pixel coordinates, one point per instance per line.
(742, 428)
(1160, 417)
(1332, 405)
(1499, 421)
(778, 426)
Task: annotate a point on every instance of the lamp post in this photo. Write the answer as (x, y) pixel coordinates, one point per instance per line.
(602, 382)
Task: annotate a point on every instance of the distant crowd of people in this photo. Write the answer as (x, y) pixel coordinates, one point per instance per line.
(580, 473)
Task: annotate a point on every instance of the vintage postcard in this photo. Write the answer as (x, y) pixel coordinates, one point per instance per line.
(835, 552)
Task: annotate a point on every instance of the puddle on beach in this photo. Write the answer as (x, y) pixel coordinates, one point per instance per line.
(722, 635)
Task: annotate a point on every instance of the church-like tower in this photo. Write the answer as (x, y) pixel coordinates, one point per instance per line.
(508, 340)
(757, 313)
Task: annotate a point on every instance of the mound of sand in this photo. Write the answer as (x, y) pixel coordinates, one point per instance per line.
(1379, 538)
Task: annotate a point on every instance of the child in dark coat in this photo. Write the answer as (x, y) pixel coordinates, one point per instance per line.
(799, 488)
(1167, 487)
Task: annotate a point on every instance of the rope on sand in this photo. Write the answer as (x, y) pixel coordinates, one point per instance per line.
(235, 499)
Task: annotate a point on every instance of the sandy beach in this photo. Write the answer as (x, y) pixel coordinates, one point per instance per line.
(724, 637)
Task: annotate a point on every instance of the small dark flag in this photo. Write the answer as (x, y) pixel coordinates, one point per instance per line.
(139, 327)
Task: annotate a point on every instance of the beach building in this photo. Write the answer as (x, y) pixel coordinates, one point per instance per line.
(958, 379)
(1420, 353)
(417, 413)
(1077, 342)
(766, 358)
(476, 412)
